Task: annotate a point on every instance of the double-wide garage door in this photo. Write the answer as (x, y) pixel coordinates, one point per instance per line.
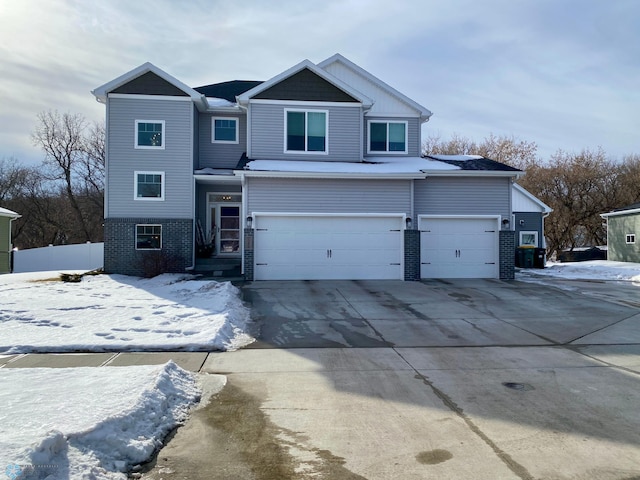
(459, 247)
(310, 247)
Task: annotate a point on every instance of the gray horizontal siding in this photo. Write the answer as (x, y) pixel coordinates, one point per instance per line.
(328, 196)
(463, 196)
(221, 155)
(267, 134)
(413, 135)
(175, 160)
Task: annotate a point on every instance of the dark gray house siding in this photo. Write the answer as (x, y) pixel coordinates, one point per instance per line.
(175, 160)
(311, 195)
(221, 155)
(413, 135)
(150, 84)
(305, 86)
(529, 222)
(267, 133)
(463, 196)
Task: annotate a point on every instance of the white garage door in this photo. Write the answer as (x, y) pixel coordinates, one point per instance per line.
(459, 247)
(328, 248)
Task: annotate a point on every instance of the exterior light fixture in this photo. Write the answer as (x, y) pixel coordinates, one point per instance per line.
(522, 223)
(409, 223)
(249, 222)
(505, 224)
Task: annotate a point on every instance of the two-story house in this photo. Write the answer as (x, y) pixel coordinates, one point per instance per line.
(313, 174)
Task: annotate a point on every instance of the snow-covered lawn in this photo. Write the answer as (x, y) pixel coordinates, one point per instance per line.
(119, 313)
(592, 270)
(88, 423)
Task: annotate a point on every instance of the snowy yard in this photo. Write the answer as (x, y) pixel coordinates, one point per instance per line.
(88, 423)
(592, 270)
(79, 423)
(119, 313)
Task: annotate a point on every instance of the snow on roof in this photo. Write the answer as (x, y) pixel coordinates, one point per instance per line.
(8, 213)
(219, 102)
(457, 158)
(373, 165)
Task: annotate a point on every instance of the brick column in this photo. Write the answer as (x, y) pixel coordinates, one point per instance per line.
(412, 255)
(507, 254)
(248, 254)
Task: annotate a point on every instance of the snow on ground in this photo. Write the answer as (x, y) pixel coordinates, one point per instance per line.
(119, 313)
(102, 422)
(591, 270)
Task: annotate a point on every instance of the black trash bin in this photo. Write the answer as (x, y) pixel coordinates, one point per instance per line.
(525, 256)
(539, 258)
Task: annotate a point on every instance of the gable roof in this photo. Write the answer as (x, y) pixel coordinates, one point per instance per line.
(528, 197)
(425, 113)
(8, 213)
(228, 90)
(102, 91)
(628, 210)
(246, 96)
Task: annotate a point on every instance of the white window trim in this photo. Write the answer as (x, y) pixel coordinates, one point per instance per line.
(213, 130)
(326, 131)
(528, 232)
(148, 199)
(148, 225)
(149, 147)
(630, 238)
(387, 152)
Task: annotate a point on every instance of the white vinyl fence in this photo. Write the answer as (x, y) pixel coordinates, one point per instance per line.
(84, 256)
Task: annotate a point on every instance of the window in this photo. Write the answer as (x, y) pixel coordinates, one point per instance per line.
(148, 237)
(148, 186)
(631, 238)
(224, 130)
(529, 238)
(387, 137)
(149, 134)
(306, 131)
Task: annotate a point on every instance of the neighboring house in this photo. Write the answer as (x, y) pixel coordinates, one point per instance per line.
(6, 217)
(313, 174)
(529, 213)
(623, 234)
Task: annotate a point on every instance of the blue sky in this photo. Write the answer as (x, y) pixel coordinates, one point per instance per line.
(564, 74)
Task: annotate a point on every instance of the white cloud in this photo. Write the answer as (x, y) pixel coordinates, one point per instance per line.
(561, 74)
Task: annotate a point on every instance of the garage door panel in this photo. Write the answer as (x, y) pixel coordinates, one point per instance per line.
(323, 248)
(459, 248)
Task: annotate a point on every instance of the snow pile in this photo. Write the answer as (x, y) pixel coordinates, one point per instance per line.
(119, 313)
(591, 270)
(102, 423)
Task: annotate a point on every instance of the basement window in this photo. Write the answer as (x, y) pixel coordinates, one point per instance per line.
(630, 238)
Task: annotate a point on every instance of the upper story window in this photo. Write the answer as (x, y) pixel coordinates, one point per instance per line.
(148, 186)
(306, 131)
(224, 130)
(387, 137)
(630, 238)
(149, 134)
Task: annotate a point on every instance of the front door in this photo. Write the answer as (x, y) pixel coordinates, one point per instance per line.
(226, 221)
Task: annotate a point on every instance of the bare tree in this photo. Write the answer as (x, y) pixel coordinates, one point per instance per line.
(12, 178)
(75, 158)
(517, 153)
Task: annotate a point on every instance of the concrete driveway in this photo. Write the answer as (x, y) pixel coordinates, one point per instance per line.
(467, 379)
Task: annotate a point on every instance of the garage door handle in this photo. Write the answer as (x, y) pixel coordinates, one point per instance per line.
(329, 253)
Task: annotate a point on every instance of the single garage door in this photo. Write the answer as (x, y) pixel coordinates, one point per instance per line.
(308, 247)
(459, 247)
